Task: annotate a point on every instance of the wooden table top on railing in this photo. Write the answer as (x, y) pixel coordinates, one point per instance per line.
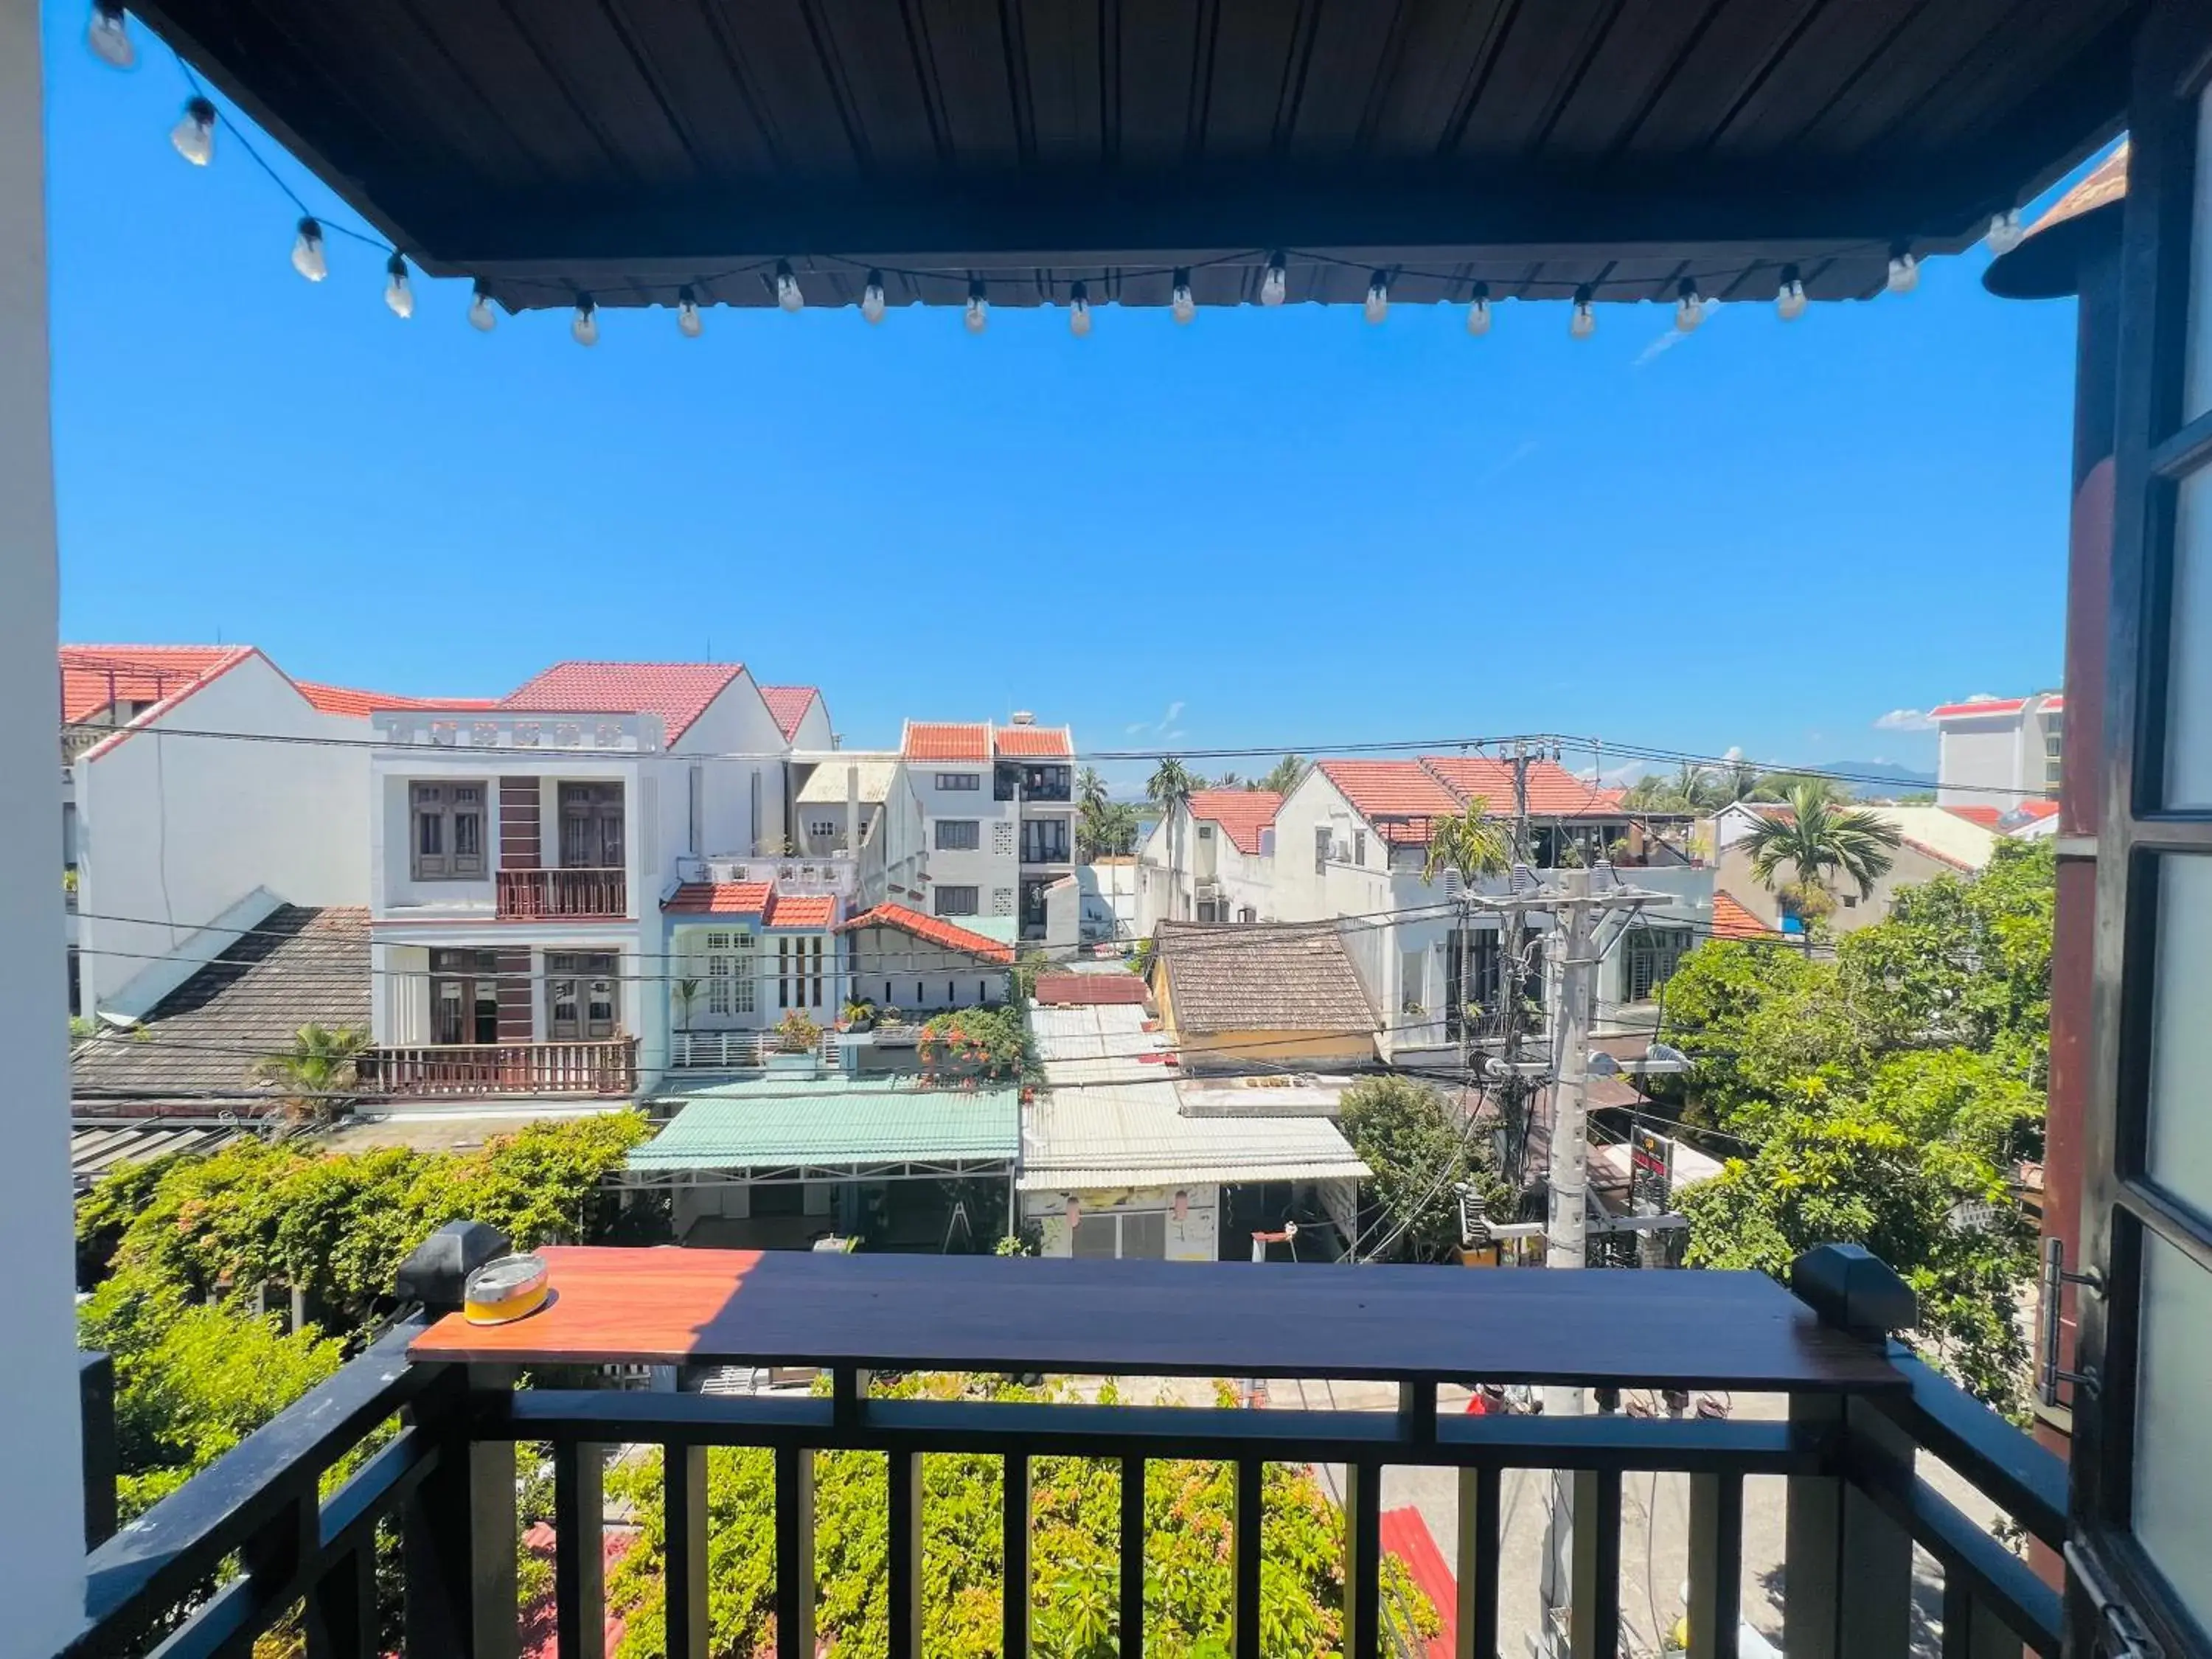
(670, 1305)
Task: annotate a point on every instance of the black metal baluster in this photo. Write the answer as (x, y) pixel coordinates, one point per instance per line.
(905, 1574)
(1971, 1630)
(1363, 1564)
(580, 1507)
(341, 1608)
(1595, 1583)
(1478, 1563)
(794, 1553)
(1014, 1602)
(1716, 1607)
(1133, 1558)
(1244, 1547)
(684, 1476)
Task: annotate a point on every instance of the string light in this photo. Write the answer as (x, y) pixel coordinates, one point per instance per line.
(786, 288)
(688, 322)
(1689, 307)
(871, 298)
(398, 296)
(584, 327)
(979, 308)
(1789, 298)
(1182, 302)
(108, 34)
(194, 134)
(1275, 286)
(1585, 317)
(1903, 271)
(307, 251)
(484, 316)
(2005, 232)
(1378, 297)
(1477, 310)
(1078, 310)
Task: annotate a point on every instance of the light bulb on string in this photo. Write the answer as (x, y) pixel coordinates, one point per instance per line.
(688, 322)
(307, 251)
(2005, 233)
(1584, 323)
(1789, 298)
(786, 288)
(484, 316)
(979, 308)
(1689, 307)
(1182, 302)
(398, 296)
(108, 33)
(1275, 286)
(1078, 310)
(871, 298)
(584, 327)
(1477, 310)
(1903, 271)
(194, 134)
(1378, 297)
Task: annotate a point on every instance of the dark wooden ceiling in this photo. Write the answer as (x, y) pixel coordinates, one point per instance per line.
(627, 146)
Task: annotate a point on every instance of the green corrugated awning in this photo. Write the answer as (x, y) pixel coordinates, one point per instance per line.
(836, 1124)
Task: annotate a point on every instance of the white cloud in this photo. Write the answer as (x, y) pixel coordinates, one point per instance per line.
(1904, 719)
(1673, 337)
(1162, 731)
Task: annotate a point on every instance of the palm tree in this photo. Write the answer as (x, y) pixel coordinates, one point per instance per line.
(1091, 787)
(1229, 780)
(1169, 787)
(1284, 776)
(1473, 844)
(1820, 839)
(1697, 788)
(322, 1068)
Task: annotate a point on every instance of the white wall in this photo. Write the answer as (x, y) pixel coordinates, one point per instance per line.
(814, 730)
(173, 830)
(738, 728)
(1977, 761)
(41, 1543)
(1246, 880)
(993, 868)
(1197, 1237)
(945, 978)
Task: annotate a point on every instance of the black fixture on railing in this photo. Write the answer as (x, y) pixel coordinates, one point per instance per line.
(1861, 1408)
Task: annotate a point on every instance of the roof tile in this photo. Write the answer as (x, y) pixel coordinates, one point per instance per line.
(678, 692)
(946, 740)
(789, 704)
(719, 898)
(935, 930)
(1036, 741)
(1732, 920)
(1242, 813)
(1264, 977)
(1554, 792)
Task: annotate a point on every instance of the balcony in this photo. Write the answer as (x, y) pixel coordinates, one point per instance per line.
(604, 1067)
(1862, 1410)
(597, 894)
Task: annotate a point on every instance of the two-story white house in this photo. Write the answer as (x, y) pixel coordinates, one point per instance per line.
(1351, 841)
(1998, 751)
(1210, 859)
(549, 873)
(998, 809)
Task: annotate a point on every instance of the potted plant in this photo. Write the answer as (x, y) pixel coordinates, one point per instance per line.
(797, 1050)
(860, 1015)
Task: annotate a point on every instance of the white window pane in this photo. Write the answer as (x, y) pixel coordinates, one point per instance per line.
(2180, 1130)
(2173, 1431)
(2189, 685)
(2197, 385)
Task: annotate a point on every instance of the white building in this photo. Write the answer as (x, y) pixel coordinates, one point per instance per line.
(1998, 751)
(997, 806)
(547, 874)
(1212, 859)
(223, 790)
(842, 800)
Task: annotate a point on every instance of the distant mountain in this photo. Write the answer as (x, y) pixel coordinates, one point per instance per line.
(1895, 780)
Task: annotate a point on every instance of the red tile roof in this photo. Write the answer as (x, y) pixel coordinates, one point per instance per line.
(1990, 706)
(946, 740)
(1732, 920)
(789, 704)
(344, 700)
(678, 692)
(936, 930)
(752, 898)
(1391, 788)
(1987, 816)
(1035, 743)
(1242, 813)
(1554, 792)
(1089, 990)
(93, 676)
(2036, 811)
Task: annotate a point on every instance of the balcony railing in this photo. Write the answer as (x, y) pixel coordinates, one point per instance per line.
(1862, 1409)
(605, 1067)
(593, 894)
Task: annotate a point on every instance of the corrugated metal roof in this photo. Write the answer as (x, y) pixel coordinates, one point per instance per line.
(1109, 1118)
(779, 1123)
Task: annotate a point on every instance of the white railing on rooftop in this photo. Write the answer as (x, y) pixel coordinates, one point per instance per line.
(811, 873)
(521, 732)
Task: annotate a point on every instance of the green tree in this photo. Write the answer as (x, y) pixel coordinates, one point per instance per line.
(319, 1072)
(1283, 776)
(1820, 842)
(1406, 1133)
(1091, 787)
(1471, 846)
(1171, 788)
(988, 1045)
(1230, 780)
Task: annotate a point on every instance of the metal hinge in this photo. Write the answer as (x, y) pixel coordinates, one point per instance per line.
(2054, 1280)
(2124, 1637)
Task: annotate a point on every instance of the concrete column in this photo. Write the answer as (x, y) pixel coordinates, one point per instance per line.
(41, 1558)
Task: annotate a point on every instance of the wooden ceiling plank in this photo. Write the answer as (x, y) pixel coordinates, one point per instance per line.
(1636, 59)
(1255, 66)
(1538, 57)
(1067, 121)
(968, 53)
(1822, 61)
(1724, 69)
(1155, 45)
(1435, 79)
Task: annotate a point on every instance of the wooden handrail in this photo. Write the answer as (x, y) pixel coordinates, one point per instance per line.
(591, 892)
(606, 1065)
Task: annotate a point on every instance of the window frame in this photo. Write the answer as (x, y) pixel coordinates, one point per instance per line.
(975, 900)
(973, 826)
(956, 783)
(436, 801)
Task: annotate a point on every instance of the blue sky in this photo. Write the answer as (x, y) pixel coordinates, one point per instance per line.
(1282, 527)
